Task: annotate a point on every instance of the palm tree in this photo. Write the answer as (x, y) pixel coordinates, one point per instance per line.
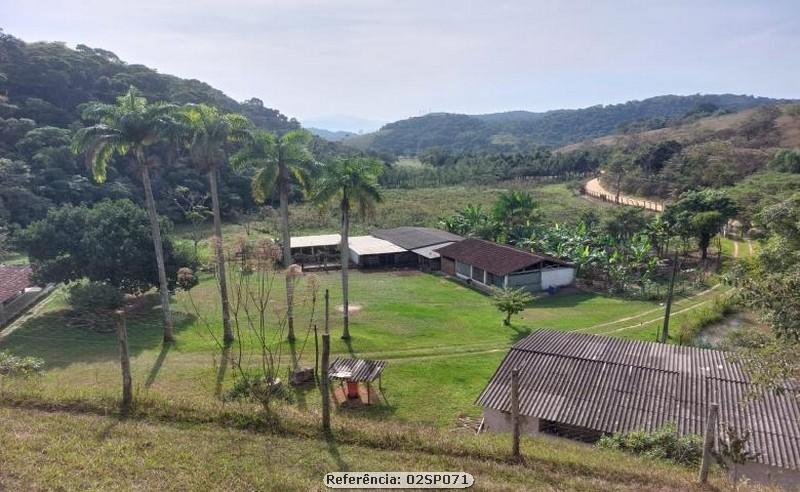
(277, 160)
(208, 132)
(352, 182)
(128, 128)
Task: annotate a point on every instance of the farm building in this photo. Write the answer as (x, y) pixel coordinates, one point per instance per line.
(316, 250)
(17, 291)
(422, 241)
(370, 251)
(487, 264)
(583, 386)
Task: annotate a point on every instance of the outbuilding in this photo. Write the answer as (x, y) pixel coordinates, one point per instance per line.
(17, 291)
(320, 250)
(583, 386)
(486, 264)
(372, 252)
(423, 242)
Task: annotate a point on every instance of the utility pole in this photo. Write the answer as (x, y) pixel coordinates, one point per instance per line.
(708, 441)
(668, 307)
(515, 413)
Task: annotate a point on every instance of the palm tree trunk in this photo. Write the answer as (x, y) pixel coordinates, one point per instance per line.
(155, 229)
(283, 190)
(345, 249)
(227, 335)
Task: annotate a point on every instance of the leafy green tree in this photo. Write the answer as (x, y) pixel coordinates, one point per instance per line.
(511, 301)
(514, 211)
(208, 133)
(619, 163)
(350, 182)
(104, 243)
(128, 129)
(277, 160)
(703, 213)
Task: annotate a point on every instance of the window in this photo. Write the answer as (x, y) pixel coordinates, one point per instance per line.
(462, 268)
(477, 274)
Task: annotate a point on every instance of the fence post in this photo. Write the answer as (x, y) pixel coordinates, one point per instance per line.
(326, 352)
(124, 361)
(708, 441)
(515, 412)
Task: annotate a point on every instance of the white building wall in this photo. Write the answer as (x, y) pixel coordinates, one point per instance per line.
(497, 421)
(354, 258)
(557, 277)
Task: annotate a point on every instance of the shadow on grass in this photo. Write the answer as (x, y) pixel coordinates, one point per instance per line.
(519, 332)
(61, 338)
(151, 377)
(333, 451)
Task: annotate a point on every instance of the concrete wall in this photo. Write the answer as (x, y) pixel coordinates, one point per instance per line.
(557, 277)
(497, 421)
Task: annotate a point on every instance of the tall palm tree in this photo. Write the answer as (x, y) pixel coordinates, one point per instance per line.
(208, 133)
(277, 160)
(128, 128)
(352, 182)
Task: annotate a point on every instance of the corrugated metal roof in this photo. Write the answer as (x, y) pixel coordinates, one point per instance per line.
(358, 369)
(321, 240)
(13, 280)
(368, 245)
(430, 251)
(416, 237)
(498, 259)
(614, 385)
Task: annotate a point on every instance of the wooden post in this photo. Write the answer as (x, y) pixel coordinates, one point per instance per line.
(124, 361)
(316, 352)
(326, 351)
(708, 441)
(668, 307)
(515, 412)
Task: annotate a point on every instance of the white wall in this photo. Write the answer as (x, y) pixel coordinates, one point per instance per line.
(353, 257)
(557, 277)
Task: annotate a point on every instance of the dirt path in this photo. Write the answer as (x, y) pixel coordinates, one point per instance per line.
(595, 189)
(735, 249)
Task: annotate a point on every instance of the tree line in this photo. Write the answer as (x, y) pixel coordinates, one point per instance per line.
(134, 132)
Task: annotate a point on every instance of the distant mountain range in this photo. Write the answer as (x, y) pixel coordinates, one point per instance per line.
(521, 130)
(331, 136)
(343, 123)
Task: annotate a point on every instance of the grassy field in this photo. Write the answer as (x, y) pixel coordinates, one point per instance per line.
(440, 338)
(421, 207)
(54, 450)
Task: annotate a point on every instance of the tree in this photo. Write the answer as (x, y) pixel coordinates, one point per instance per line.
(618, 165)
(511, 301)
(352, 182)
(786, 161)
(104, 243)
(208, 132)
(277, 160)
(514, 212)
(129, 128)
(701, 213)
(192, 205)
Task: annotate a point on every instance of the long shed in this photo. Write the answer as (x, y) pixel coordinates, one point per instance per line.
(487, 264)
(583, 386)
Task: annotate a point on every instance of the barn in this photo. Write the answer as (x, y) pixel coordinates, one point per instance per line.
(486, 264)
(373, 252)
(319, 250)
(422, 241)
(582, 386)
(17, 291)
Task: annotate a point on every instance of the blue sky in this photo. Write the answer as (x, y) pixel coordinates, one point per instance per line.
(381, 60)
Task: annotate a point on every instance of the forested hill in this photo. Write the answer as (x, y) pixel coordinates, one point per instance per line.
(47, 82)
(521, 130)
(43, 88)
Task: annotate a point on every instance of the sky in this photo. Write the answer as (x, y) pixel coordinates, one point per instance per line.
(353, 64)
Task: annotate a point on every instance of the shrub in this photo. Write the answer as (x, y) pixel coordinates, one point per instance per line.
(90, 296)
(11, 365)
(662, 444)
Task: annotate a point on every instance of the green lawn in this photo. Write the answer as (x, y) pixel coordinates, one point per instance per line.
(442, 340)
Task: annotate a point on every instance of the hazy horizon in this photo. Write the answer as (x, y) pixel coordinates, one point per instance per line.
(373, 62)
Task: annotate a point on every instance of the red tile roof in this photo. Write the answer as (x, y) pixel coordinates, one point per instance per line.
(495, 258)
(13, 280)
